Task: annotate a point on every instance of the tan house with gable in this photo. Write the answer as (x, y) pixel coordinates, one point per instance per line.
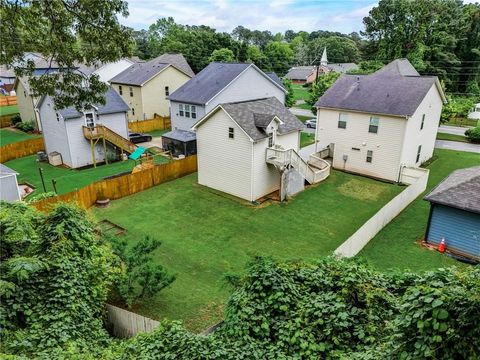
(378, 124)
(145, 86)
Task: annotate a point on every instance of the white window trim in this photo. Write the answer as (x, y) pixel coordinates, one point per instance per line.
(93, 118)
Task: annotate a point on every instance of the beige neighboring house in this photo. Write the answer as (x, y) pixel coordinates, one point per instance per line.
(26, 101)
(145, 86)
(378, 124)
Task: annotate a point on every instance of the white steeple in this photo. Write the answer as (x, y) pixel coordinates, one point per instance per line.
(324, 60)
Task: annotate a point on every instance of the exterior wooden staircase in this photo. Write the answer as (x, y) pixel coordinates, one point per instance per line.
(314, 171)
(101, 132)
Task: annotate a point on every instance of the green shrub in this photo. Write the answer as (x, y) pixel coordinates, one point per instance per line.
(473, 135)
(26, 126)
(16, 119)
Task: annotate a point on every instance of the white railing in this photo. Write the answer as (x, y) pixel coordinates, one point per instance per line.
(281, 158)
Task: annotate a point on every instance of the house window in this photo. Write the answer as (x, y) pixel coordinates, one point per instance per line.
(193, 109)
(180, 109)
(120, 91)
(423, 122)
(230, 133)
(187, 110)
(58, 116)
(270, 140)
(131, 91)
(342, 121)
(167, 91)
(133, 111)
(369, 156)
(89, 120)
(373, 127)
(419, 151)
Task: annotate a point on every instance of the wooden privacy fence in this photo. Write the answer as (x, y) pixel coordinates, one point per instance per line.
(124, 324)
(125, 185)
(20, 149)
(6, 120)
(157, 123)
(8, 100)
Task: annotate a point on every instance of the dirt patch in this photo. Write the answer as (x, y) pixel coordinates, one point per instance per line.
(361, 190)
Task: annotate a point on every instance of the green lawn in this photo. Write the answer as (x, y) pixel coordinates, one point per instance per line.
(303, 118)
(306, 139)
(206, 235)
(67, 179)
(300, 92)
(303, 106)
(157, 133)
(8, 136)
(451, 137)
(462, 122)
(8, 110)
(396, 245)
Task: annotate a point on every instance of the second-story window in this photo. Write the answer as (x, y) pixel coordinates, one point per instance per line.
(230, 133)
(373, 127)
(120, 90)
(187, 110)
(180, 110)
(369, 156)
(342, 121)
(423, 122)
(193, 109)
(89, 120)
(133, 111)
(270, 140)
(167, 91)
(131, 91)
(419, 151)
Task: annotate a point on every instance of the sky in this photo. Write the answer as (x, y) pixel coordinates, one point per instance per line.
(275, 15)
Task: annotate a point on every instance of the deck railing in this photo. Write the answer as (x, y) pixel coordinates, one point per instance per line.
(100, 131)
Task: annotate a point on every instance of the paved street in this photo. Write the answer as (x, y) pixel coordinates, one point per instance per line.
(456, 145)
(455, 130)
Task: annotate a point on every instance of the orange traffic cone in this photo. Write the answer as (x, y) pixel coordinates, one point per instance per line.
(441, 247)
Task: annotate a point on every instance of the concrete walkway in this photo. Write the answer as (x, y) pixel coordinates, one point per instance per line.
(454, 130)
(456, 145)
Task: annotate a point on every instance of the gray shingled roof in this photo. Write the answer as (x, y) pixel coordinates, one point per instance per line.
(272, 75)
(113, 104)
(141, 72)
(300, 72)
(252, 115)
(207, 83)
(342, 67)
(461, 190)
(6, 170)
(396, 89)
(180, 135)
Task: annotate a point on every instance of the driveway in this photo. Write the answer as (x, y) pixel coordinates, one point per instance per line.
(303, 112)
(156, 141)
(455, 130)
(456, 145)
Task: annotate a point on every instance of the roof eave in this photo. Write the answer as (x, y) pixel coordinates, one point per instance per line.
(444, 203)
(403, 116)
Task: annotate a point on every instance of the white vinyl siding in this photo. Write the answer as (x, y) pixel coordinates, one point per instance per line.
(224, 164)
(179, 121)
(9, 188)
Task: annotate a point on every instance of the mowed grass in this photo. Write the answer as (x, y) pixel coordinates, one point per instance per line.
(396, 246)
(304, 118)
(206, 235)
(300, 92)
(8, 110)
(67, 179)
(9, 136)
(306, 139)
(157, 133)
(451, 137)
(303, 106)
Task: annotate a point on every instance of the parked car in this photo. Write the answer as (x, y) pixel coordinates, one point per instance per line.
(311, 124)
(139, 138)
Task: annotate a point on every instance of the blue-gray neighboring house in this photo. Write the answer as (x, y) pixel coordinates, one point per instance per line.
(455, 213)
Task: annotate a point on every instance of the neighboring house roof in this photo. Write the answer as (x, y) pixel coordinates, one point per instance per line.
(342, 67)
(272, 75)
(139, 73)
(6, 72)
(300, 72)
(5, 170)
(461, 190)
(212, 80)
(180, 135)
(252, 116)
(113, 104)
(396, 89)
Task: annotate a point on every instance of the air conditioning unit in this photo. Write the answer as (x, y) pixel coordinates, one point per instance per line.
(42, 156)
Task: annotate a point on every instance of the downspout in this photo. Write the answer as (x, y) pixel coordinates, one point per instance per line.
(251, 172)
(400, 172)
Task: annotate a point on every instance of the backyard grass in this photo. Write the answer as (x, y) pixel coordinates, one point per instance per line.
(8, 136)
(303, 118)
(67, 179)
(303, 106)
(306, 139)
(451, 137)
(300, 92)
(157, 133)
(206, 235)
(8, 110)
(396, 245)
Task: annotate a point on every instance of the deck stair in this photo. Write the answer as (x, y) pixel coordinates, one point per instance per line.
(314, 170)
(101, 132)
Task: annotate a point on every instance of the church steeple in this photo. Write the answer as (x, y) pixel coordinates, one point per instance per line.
(324, 60)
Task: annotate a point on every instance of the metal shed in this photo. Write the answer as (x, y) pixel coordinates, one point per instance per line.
(180, 142)
(455, 213)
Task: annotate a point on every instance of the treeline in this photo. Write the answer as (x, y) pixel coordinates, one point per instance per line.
(439, 37)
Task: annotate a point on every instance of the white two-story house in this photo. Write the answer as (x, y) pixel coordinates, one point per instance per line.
(378, 124)
(220, 83)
